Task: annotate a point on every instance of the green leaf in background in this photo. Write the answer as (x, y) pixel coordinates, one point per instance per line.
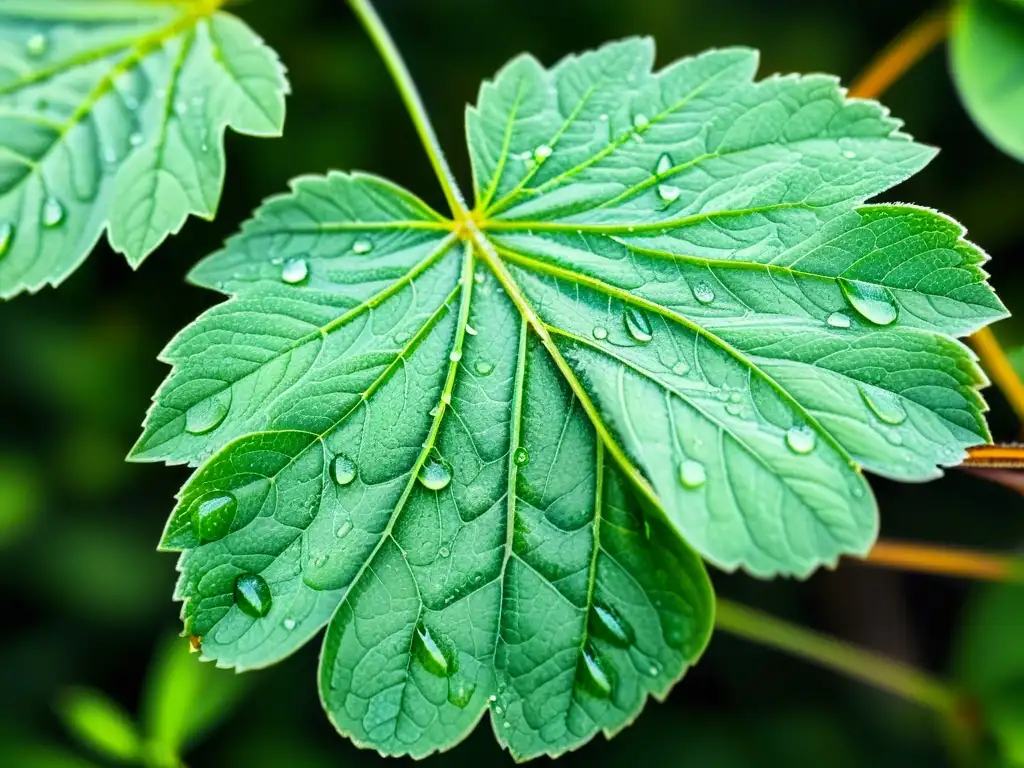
(987, 58)
(100, 724)
(112, 115)
(183, 700)
(480, 450)
(990, 665)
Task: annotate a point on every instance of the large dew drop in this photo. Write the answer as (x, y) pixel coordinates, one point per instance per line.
(612, 627)
(692, 474)
(592, 675)
(53, 212)
(600, 332)
(875, 303)
(6, 238)
(637, 325)
(838, 320)
(435, 475)
(209, 414)
(483, 367)
(801, 439)
(252, 595)
(664, 165)
(703, 292)
(542, 153)
(434, 652)
(362, 247)
(521, 457)
(212, 514)
(640, 121)
(460, 694)
(343, 469)
(669, 193)
(37, 45)
(295, 271)
(884, 405)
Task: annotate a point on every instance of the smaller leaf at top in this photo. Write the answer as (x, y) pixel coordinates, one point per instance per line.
(112, 116)
(987, 59)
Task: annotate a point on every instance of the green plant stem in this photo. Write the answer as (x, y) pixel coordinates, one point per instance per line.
(378, 33)
(858, 663)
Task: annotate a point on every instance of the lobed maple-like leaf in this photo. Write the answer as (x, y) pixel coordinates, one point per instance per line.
(112, 116)
(487, 451)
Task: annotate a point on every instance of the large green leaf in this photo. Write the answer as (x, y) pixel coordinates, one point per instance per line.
(480, 449)
(112, 115)
(987, 59)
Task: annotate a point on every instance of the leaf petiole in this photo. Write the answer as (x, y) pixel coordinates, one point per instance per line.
(912, 45)
(393, 60)
(887, 674)
(949, 561)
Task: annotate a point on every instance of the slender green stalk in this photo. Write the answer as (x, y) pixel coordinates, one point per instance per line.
(858, 663)
(413, 103)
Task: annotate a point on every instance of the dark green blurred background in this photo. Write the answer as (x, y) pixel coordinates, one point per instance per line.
(87, 597)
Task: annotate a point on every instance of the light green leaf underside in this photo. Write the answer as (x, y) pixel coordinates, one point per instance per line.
(112, 115)
(987, 59)
(588, 377)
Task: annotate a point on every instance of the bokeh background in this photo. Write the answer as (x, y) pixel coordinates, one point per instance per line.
(87, 599)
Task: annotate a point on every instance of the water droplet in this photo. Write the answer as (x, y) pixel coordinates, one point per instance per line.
(434, 652)
(600, 332)
(801, 439)
(604, 116)
(455, 355)
(470, 330)
(362, 247)
(681, 368)
(460, 695)
(343, 470)
(521, 457)
(252, 595)
(653, 671)
(401, 337)
(894, 437)
(435, 475)
(294, 271)
(36, 45)
(736, 397)
(6, 237)
(592, 675)
(669, 193)
(444, 552)
(609, 625)
(53, 212)
(703, 292)
(885, 405)
(479, 276)
(640, 121)
(875, 303)
(321, 560)
(180, 108)
(734, 409)
(692, 474)
(492, 698)
(136, 139)
(209, 414)
(288, 624)
(483, 368)
(344, 529)
(838, 320)
(849, 155)
(664, 164)
(506, 724)
(211, 515)
(637, 324)
(542, 153)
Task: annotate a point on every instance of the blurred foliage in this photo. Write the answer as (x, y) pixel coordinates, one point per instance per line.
(88, 597)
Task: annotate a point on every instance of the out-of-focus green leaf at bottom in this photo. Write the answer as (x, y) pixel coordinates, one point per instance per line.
(100, 724)
(184, 698)
(990, 665)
